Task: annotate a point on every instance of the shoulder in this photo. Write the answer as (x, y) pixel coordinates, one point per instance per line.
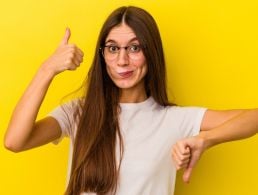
(73, 105)
(185, 111)
(177, 108)
(68, 110)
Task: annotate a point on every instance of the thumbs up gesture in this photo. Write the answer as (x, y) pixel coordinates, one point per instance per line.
(66, 57)
(186, 154)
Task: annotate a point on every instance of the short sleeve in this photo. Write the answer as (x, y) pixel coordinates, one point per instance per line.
(67, 117)
(188, 119)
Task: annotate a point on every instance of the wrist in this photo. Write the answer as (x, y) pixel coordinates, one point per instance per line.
(208, 140)
(44, 76)
(46, 72)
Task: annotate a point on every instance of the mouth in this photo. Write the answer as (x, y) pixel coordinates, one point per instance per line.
(126, 74)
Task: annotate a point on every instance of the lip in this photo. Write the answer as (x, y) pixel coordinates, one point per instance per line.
(126, 74)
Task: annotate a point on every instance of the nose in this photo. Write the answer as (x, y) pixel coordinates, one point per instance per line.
(122, 58)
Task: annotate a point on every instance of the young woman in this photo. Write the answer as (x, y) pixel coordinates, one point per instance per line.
(123, 129)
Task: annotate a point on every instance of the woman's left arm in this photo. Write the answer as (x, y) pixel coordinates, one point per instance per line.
(223, 126)
(217, 127)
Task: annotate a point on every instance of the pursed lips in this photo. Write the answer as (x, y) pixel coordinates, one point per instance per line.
(125, 74)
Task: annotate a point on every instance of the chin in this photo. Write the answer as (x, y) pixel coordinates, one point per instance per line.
(124, 85)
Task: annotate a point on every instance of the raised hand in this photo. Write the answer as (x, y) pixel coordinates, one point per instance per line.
(186, 154)
(24, 132)
(66, 57)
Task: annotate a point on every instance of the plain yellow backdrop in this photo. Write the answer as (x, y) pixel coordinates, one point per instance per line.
(211, 52)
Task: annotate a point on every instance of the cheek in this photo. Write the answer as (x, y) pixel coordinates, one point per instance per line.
(141, 63)
(142, 66)
(144, 70)
(109, 70)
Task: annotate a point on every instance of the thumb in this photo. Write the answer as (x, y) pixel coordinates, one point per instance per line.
(187, 174)
(66, 37)
(189, 169)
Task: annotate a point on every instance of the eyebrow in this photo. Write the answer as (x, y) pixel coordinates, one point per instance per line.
(113, 41)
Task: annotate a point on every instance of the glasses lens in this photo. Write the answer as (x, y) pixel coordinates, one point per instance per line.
(112, 52)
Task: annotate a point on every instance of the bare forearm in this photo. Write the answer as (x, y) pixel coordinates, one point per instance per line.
(26, 110)
(242, 126)
(235, 125)
(19, 134)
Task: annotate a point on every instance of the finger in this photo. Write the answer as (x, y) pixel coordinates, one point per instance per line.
(66, 37)
(79, 57)
(80, 51)
(182, 164)
(73, 67)
(183, 159)
(76, 62)
(188, 150)
(175, 160)
(68, 63)
(182, 156)
(75, 49)
(183, 148)
(72, 48)
(187, 174)
(178, 162)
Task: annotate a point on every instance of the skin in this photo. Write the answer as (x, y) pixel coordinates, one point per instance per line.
(132, 87)
(24, 132)
(240, 124)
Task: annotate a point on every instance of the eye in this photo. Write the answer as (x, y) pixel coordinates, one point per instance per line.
(112, 48)
(134, 48)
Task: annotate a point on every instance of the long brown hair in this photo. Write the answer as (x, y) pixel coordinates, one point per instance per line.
(94, 167)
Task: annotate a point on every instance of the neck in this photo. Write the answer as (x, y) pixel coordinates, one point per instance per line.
(132, 96)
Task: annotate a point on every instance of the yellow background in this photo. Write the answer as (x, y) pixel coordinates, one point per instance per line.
(211, 52)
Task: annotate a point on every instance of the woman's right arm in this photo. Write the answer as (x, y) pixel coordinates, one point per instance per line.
(23, 131)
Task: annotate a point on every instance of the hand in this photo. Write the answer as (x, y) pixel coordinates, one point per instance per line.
(66, 57)
(186, 154)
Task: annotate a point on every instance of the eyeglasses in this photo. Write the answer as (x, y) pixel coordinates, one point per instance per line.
(111, 52)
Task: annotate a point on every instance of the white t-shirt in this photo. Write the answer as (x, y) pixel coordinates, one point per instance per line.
(149, 131)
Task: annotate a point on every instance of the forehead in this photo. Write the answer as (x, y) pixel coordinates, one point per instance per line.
(121, 34)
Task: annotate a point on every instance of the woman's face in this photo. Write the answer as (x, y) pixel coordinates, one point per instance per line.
(125, 61)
